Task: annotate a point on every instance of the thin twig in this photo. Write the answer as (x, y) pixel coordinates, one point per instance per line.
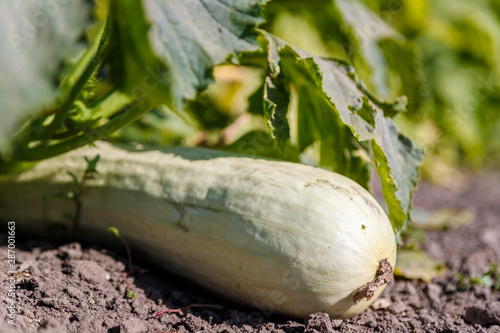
(179, 310)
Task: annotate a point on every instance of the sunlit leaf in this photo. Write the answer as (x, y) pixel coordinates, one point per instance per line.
(416, 265)
(333, 111)
(442, 219)
(165, 50)
(397, 160)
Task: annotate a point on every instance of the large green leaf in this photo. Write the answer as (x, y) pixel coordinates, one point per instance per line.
(36, 38)
(165, 50)
(324, 115)
(335, 112)
(397, 160)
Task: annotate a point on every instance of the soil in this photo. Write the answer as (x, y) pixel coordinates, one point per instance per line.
(77, 287)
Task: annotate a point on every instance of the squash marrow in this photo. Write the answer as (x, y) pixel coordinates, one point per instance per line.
(283, 237)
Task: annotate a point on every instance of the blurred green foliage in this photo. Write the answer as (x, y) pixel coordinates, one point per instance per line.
(443, 55)
(460, 47)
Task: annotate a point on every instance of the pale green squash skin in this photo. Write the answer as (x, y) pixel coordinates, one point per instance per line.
(282, 237)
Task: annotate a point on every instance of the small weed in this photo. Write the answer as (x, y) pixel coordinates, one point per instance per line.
(489, 279)
(130, 292)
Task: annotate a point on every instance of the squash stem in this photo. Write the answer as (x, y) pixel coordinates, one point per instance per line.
(385, 274)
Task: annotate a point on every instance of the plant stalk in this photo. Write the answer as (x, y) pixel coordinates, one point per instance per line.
(130, 113)
(94, 63)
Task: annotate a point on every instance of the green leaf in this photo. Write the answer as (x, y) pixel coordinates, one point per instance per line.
(333, 111)
(327, 98)
(130, 294)
(276, 100)
(417, 265)
(260, 143)
(397, 160)
(404, 62)
(275, 94)
(114, 231)
(339, 149)
(92, 164)
(165, 50)
(448, 218)
(37, 37)
(336, 88)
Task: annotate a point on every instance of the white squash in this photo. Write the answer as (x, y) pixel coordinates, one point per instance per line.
(279, 236)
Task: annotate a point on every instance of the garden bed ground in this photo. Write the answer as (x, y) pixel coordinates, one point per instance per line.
(79, 288)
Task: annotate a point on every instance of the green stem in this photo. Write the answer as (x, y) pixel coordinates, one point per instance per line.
(131, 113)
(94, 63)
(72, 77)
(107, 106)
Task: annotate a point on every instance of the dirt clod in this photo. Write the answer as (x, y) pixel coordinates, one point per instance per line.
(318, 322)
(488, 314)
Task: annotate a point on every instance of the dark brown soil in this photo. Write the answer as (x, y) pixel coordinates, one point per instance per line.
(79, 288)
